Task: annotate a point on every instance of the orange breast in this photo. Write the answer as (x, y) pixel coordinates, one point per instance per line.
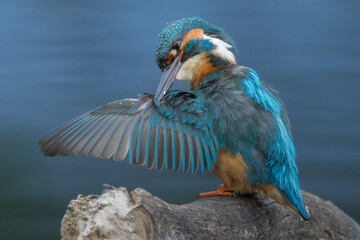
(202, 69)
(233, 170)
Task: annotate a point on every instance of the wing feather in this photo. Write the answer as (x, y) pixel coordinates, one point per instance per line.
(95, 148)
(150, 153)
(110, 144)
(178, 151)
(174, 134)
(182, 147)
(72, 135)
(169, 150)
(200, 153)
(85, 141)
(160, 156)
(133, 139)
(206, 153)
(124, 141)
(144, 141)
(49, 139)
(138, 142)
(188, 157)
(193, 154)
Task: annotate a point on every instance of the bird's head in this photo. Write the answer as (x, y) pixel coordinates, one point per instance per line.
(190, 49)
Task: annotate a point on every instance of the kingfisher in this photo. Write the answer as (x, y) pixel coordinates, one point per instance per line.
(228, 123)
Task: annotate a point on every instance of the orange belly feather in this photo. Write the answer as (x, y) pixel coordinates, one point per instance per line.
(233, 170)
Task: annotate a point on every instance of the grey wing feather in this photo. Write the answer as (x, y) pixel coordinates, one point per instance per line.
(141, 129)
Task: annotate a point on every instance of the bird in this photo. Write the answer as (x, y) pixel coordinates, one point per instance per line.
(228, 123)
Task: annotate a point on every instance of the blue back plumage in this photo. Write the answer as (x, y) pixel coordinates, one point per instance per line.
(249, 120)
(281, 150)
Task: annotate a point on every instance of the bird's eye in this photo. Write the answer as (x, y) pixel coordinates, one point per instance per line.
(176, 45)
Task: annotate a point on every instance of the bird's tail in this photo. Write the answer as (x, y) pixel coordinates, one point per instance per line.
(296, 198)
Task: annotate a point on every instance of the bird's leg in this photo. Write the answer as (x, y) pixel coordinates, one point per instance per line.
(221, 191)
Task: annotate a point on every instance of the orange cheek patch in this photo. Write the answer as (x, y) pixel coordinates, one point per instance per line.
(194, 33)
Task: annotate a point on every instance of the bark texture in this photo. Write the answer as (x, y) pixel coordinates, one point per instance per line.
(116, 214)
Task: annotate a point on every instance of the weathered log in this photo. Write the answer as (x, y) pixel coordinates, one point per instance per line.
(116, 214)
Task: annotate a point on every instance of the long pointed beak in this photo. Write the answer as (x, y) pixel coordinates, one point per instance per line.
(168, 78)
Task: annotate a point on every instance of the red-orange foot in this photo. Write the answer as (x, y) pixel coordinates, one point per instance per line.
(219, 192)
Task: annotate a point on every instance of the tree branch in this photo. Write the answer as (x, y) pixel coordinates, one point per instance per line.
(116, 214)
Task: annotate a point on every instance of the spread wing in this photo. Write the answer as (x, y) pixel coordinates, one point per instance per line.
(173, 134)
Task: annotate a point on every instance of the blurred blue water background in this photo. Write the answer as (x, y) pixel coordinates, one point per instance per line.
(59, 59)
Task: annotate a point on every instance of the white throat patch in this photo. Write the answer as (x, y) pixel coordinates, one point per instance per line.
(187, 69)
(221, 49)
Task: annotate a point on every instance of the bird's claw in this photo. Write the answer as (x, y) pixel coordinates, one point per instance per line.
(223, 190)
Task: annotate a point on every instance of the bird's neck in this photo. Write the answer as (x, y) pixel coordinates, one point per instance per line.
(205, 68)
(201, 71)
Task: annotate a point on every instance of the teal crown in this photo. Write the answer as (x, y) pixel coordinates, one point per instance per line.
(178, 29)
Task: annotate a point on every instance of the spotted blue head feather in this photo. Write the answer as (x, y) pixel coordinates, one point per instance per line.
(177, 30)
